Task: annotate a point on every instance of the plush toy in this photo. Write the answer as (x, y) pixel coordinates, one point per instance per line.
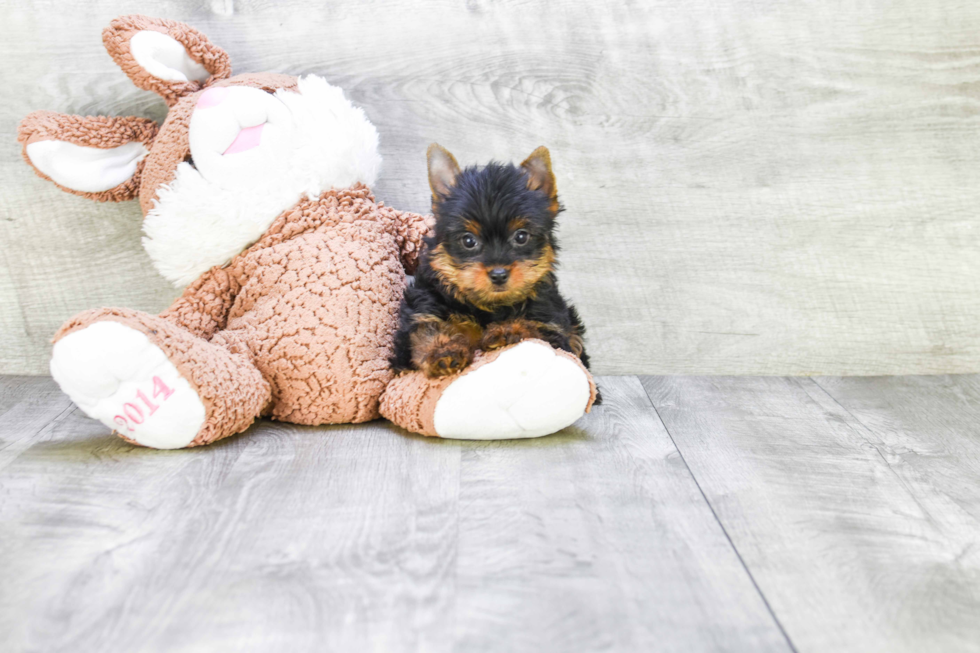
(255, 194)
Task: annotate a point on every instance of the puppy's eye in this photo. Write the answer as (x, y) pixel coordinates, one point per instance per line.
(521, 237)
(469, 241)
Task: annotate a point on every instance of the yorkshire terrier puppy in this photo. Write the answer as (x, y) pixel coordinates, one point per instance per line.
(486, 277)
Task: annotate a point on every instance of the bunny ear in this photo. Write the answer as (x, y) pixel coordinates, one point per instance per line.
(93, 156)
(169, 58)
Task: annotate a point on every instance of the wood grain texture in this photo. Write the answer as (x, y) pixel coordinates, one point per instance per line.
(861, 526)
(364, 538)
(927, 432)
(606, 526)
(752, 187)
(30, 408)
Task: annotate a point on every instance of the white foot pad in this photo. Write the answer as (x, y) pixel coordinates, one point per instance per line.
(117, 376)
(529, 391)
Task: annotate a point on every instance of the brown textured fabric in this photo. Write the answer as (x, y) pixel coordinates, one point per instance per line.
(410, 232)
(230, 387)
(203, 307)
(410, 398)
(116, 38)
(171, 146)
(299, 326)
(318, 305)
(102, 132)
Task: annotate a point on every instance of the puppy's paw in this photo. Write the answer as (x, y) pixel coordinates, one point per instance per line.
(446, 358)
(502, 334)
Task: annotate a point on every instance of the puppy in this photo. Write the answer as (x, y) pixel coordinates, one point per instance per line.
(486, 278)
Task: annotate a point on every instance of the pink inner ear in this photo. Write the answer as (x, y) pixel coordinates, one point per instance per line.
(212, 97)
(246, 139)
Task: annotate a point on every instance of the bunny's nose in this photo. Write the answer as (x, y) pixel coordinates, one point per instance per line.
(498, 276)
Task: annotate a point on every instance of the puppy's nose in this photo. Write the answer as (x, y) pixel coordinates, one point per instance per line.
(499, 276)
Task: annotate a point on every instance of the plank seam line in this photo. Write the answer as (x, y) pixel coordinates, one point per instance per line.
(765, 601)
(70, 408)
(868, 431)
(872, 438)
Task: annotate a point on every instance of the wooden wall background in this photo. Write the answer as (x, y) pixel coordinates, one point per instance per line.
(753, 186)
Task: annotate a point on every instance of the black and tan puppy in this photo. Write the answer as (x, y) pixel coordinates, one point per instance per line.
(486, 277)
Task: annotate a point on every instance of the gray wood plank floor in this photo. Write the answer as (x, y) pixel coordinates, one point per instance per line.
(685, 514)
(859, 526)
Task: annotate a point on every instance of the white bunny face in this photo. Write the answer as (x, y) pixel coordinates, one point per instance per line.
(238, 133)
(233, 154)
(252, 156)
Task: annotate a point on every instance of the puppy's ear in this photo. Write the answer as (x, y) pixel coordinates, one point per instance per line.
(443, 171)
(539, 174)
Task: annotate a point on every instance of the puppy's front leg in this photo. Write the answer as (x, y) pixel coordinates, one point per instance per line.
(501, 334)
(443, 347)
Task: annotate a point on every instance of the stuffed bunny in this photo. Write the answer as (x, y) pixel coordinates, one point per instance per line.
(255, 195)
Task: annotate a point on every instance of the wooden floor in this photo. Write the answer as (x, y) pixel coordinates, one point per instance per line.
(685, 514)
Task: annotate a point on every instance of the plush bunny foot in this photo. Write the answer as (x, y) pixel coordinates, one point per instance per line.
(156, 383)
(527, 392)
(117, 376)
(522, 391)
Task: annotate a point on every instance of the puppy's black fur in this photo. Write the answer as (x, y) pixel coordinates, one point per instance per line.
(486, 276)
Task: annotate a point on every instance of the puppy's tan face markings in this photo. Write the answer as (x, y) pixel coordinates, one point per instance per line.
(471, 283)
(473, 227)
(517, 223)
(494, 237)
